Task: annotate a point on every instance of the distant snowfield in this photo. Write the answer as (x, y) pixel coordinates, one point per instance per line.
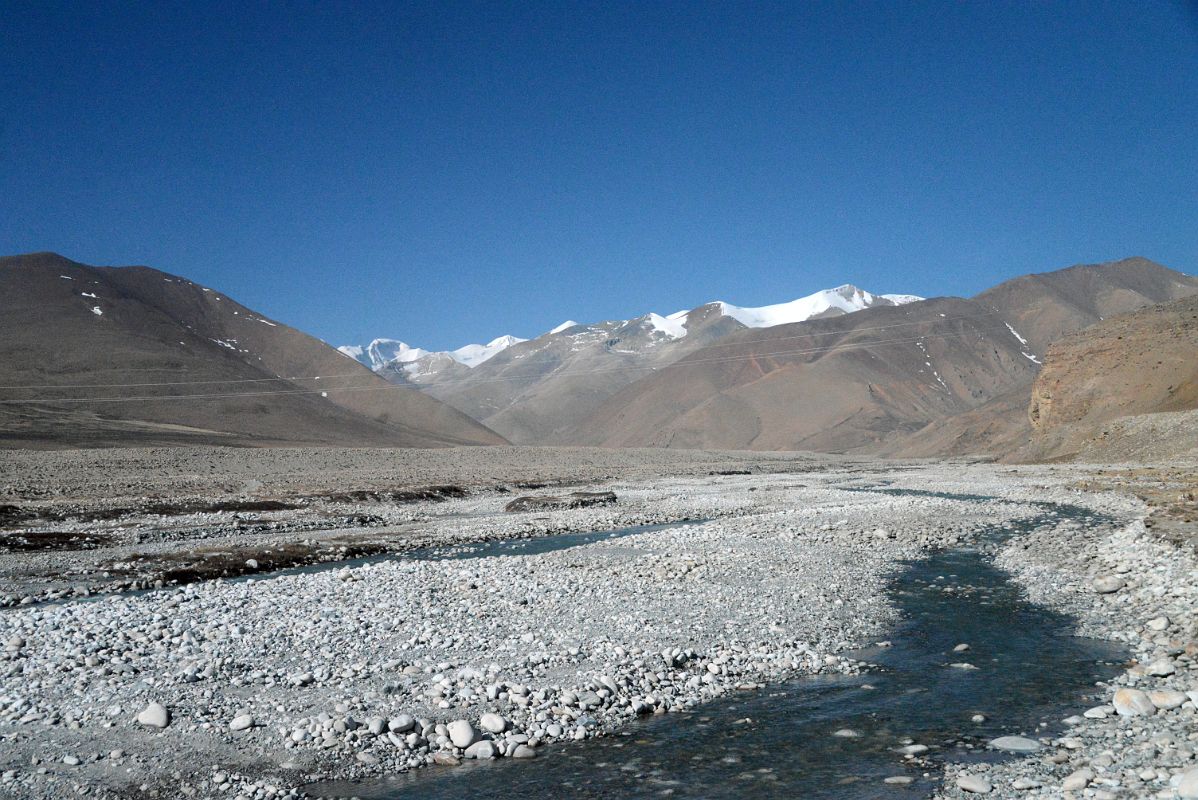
(847, 299)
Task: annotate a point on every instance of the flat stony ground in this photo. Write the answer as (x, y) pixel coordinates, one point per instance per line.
(275, 682)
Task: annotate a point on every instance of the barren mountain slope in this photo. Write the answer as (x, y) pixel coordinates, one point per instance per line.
(535, 392)
(1145, 362)
(835, 384)
(68, 330)
(936, 385)
(1045, 306)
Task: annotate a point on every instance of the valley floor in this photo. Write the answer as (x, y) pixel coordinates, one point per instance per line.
(759, 568)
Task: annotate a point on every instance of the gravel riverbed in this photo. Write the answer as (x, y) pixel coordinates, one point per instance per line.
(257, 688)
(1139, 735)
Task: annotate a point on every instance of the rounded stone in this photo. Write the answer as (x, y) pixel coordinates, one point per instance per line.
(1167, 699)
(1132, 703)
(462, 733)
(973, 784)
(401, 724)
(1187, 787)
(492, 723)
(481, 750)
(1015, 744)
(1079, 779)
(154, 715)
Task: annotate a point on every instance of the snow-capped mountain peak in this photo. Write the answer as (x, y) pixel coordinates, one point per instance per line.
(567, 324)
(671, 326)
(843, 299)
(382, 352)
(474, 354)
(418, 363)
(391, 352)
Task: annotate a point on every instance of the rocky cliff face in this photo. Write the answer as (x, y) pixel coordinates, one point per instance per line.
(1144, 362)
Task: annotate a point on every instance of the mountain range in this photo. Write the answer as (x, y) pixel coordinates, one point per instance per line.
(537, 391)
(1048, 365)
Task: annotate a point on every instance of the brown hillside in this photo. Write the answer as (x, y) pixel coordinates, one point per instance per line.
(69, 331)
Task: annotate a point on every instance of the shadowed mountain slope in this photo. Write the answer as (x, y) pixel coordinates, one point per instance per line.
(162, 360)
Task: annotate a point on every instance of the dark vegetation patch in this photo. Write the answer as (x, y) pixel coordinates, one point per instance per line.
(51, 540)
(433, 493)
(560, 502)
(166, 569)
(15, 516)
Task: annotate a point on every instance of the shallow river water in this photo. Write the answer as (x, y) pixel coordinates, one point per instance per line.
(779, 742)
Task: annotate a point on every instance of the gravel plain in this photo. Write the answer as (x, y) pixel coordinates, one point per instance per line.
(766, 567)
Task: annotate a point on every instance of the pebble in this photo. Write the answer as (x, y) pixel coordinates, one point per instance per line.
(1108, 584)
(154, 715)
(899, 780)
(524, 751)
(401, 724)
(974, 784)
(1161, 668)
(1132, 703)
(1079, 779)
(462, 733)
(1187, 787)
(241, 722)
(481, 750)
(1015, 744)
(1167, 699)
(492, 723)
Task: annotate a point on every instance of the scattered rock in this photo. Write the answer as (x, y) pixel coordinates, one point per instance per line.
(1187, 787)
(1132, 703)
(1015, 744)
(492, 723)
(481, 750)
(1108, 584)
(154, 715)
(1161, 668)
(974, 784)
(1167, 699)
(462, 733)
(1079, 779)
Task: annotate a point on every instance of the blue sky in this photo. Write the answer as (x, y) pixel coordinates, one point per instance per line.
(449, 172)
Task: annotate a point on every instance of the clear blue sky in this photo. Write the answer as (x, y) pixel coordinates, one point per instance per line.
(448, 173)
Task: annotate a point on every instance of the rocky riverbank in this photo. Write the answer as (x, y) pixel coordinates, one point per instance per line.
(260, 687)
(1139, 735)
(400, 664)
